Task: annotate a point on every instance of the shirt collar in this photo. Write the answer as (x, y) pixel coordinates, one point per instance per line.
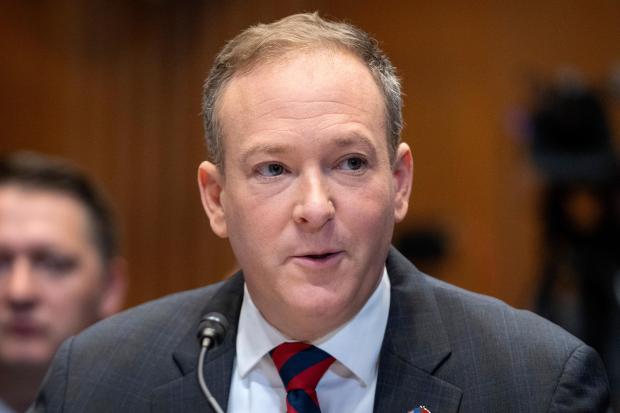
(256, 337)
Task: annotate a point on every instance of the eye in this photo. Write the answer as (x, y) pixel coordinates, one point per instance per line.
(6, 262)
(353, 163)
(270, 169)
(53, 264)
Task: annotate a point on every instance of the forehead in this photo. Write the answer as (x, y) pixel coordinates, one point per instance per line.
(36, 217)
(302, 86)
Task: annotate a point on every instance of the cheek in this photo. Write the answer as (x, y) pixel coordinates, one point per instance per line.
(256, 220)
(371, 220)
(371, 208)
(74, 303)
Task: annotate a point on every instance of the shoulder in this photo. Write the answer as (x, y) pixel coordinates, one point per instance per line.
(118, 361)
(152, 331)
(473, 319)
(173, 314)
(492, 321)
(496, 354)
(517, 353)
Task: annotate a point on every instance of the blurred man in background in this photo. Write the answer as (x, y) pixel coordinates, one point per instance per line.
(59, 267)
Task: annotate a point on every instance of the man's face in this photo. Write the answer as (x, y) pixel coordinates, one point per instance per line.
(308, 197)
(51, 277)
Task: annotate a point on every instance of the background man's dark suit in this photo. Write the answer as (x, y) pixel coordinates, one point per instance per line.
(445, 348)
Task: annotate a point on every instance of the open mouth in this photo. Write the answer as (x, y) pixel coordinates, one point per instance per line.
(320, 258)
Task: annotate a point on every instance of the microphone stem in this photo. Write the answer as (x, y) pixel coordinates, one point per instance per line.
(201, 378)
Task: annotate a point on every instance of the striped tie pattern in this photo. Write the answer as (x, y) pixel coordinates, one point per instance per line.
(301, 366)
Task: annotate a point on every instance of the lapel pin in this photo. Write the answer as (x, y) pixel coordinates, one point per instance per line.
(421, 409)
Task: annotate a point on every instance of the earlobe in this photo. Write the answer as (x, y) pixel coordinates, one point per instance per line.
(211, 185)
(403, 177)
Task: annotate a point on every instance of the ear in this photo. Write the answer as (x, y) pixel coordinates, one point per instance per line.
(402, 173)
(211, 186)
(114, 288)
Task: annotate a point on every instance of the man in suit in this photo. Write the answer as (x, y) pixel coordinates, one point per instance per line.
(59, 267)
(307, 177)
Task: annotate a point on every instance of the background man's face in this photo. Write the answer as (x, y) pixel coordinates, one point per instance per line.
(308, 199)
(51, 277)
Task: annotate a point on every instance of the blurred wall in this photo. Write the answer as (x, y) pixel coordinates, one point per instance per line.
(115, 86)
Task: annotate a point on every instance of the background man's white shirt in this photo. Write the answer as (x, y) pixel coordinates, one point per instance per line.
(347, 386)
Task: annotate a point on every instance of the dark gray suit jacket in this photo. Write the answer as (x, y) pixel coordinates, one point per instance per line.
(445, 348)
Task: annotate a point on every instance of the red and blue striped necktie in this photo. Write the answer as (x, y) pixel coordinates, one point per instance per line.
(301, 366)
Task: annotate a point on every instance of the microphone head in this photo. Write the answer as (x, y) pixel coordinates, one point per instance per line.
(214, 327)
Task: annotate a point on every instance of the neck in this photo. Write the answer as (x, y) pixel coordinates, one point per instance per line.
(19, 385)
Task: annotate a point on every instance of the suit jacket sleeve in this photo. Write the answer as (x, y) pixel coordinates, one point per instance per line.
(582, 385)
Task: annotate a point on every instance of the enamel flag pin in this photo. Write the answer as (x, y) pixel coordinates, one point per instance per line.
(420, 409)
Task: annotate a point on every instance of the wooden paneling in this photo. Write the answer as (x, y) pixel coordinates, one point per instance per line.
(115, 86)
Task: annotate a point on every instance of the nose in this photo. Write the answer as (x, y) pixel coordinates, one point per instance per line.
(21, 288)
(315, 206)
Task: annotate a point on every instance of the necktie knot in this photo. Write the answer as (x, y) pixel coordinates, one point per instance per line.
(301, 366)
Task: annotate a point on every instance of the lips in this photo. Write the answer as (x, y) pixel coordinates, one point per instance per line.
(24, 329)
(318, 259)
(319, 256)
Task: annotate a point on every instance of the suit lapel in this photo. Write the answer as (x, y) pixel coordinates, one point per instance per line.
(415, 345)
(184, 394)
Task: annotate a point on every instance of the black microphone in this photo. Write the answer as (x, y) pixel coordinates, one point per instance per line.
(211, 332)
(212, 329)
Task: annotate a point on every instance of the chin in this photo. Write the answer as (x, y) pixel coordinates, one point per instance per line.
(323, 309)
(27, 356)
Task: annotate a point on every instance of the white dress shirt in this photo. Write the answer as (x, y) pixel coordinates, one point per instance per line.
(347, 386)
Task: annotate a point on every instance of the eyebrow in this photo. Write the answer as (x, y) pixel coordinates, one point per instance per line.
(267, 148)
(345, 141)
(355, 139)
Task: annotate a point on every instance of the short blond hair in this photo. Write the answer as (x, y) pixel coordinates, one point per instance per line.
(266, 42)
